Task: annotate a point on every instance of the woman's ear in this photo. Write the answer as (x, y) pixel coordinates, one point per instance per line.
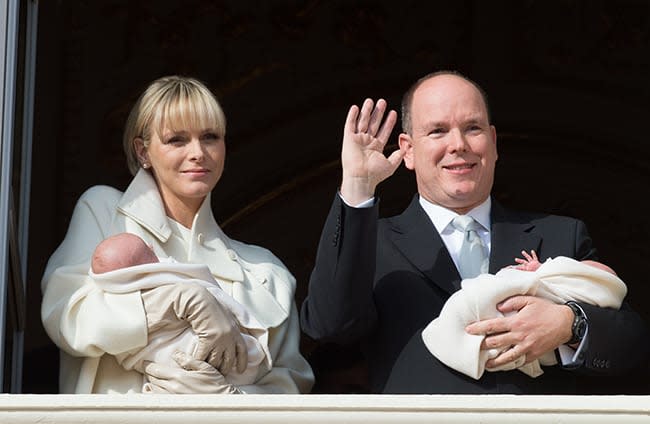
(140, 150)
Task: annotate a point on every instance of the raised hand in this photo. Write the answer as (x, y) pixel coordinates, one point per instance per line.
(365, 135)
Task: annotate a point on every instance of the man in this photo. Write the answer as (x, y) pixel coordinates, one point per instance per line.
(381, 281)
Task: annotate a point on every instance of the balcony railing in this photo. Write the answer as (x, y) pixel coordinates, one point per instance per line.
(314, 409)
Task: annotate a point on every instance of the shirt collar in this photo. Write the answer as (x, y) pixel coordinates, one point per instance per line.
(441, 217)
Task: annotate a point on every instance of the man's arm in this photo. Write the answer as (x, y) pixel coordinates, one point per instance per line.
(340, 306)
(617, 341)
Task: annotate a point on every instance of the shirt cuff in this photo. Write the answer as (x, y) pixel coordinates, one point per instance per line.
(365, 204)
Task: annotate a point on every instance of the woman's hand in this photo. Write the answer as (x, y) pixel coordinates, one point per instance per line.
(190, 376)
(364, 137)
(220, 341)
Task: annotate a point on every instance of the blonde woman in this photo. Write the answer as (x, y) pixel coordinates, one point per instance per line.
(174, 142)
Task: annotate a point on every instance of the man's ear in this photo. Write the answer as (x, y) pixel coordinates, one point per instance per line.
(140, 150)
(493, 131)
(406, 146)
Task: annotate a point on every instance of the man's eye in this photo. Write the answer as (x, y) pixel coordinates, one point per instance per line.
(437, 131)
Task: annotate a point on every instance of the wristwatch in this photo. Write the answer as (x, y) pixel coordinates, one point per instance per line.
(579, 326)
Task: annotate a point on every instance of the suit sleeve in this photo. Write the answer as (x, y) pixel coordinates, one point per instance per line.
(618, 341)
(339, 306)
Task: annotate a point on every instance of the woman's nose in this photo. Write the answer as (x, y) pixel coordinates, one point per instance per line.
(196, 149)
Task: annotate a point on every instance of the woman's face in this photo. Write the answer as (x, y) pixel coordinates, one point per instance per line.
(186, 164)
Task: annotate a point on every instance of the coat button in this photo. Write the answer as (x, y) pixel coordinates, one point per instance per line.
(200, 238)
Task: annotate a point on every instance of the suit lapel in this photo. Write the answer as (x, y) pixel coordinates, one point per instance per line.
(510, 235)
(417, 239)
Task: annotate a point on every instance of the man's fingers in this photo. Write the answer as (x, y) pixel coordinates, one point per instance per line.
(395, 158)
(351, 119)
(488, 327)
(376, 117)
(512, 304)
(387, 127)
(364, 116)
(514, 354)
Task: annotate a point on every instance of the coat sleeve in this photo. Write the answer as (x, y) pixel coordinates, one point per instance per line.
(290, 374)
(618, 341)
(339, 306)
(79, 317)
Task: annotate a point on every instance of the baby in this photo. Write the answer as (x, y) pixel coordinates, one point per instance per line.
(124, 262)
(120, 251)
(558, 279)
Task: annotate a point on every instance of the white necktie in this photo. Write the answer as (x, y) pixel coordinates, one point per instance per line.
(472, 257)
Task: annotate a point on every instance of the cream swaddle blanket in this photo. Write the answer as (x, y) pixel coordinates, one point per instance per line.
(559, 280)
(164, 342)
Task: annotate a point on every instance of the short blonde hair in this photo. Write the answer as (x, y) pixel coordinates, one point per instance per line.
(175, 102)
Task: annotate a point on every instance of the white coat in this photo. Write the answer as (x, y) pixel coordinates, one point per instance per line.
(90, 325)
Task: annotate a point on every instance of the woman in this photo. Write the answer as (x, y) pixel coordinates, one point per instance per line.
(175, 148)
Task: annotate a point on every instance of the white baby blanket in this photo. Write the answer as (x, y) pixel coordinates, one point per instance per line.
(164, 342)
(559, 280)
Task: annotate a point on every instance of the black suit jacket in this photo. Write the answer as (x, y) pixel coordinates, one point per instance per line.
(381, 281)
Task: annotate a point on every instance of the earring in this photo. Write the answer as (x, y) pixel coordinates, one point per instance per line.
(145, 165)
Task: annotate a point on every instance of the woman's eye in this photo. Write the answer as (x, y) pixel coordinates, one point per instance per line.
(211, 137)
(175, 140)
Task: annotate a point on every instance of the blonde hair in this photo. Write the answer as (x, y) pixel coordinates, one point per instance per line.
(174, 102)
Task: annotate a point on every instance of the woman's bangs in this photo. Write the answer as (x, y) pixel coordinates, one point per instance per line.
(188, 113)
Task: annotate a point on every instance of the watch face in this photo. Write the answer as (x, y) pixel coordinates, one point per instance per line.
(581, 328)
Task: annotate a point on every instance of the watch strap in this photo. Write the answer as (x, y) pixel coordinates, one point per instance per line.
(579, 326)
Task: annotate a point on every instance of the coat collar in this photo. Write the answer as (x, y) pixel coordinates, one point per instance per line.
(208, 244)
(141, 202)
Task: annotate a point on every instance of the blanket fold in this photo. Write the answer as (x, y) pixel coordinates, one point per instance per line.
(560, 279)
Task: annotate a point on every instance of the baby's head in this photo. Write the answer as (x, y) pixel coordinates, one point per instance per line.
(599, 265)
(120, 251)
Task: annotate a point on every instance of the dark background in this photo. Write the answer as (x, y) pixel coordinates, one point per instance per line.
(567, 83)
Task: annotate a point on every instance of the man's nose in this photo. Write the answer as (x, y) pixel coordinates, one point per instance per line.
(458, 140)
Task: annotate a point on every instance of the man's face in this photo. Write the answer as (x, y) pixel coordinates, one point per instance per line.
(452, 148)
